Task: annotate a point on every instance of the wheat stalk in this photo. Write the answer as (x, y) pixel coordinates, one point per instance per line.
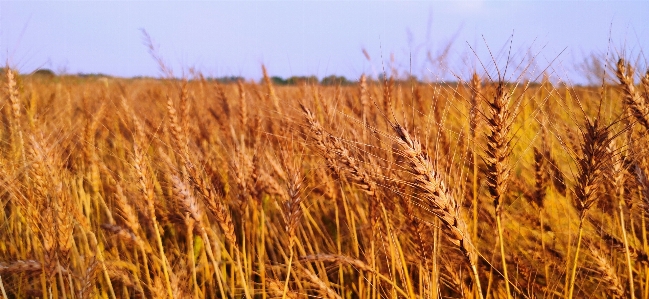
(496, 159)
(189, 203)
(476, 93)
(590, 165)
(632, 99)
(436, 198)
(146, 187)
(334, 151)
(607, 272)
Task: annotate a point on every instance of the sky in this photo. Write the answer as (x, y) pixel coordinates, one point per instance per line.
(321, 38)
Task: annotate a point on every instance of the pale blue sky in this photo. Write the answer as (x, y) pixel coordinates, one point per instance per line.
(221, 38)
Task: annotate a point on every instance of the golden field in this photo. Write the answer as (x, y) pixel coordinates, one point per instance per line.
(143, 188)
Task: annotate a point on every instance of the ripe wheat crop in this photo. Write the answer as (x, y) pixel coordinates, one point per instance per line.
(191, 188)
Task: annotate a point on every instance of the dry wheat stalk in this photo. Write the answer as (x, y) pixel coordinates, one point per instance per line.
(616, 244)
(498, 147)
(276, 288)
(618, 182)
(123, 233)
(16, 131)
(590, 165)
(188, 202)
(329, 293)
(126, 211)
(291, 209)
(52, 208)
(540, 178)
(435, 197)
(357, 264)
(476, 93)
(88, 279)
(607, 272)
(146, 187)
(186, 199)
(641, 180)
(388, 86)
(496, 159)
(365, 104)
(474, 100)
(13, 95)
(213, 203)
(645, 86)
(452, 277)
(183, 116)
(129, 215)
(27, 266)
(632, 99)
(334, 151)
(558, 179)
(176, 128)
(243, 108)
(271, 95)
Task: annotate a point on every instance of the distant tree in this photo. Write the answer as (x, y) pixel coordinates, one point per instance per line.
(278, 80)
(335, 80)
(300, 80)
(44, 73)
(227, 79)
(93, 75)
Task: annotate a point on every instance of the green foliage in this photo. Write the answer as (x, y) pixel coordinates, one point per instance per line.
(44, 73)
(335, 80)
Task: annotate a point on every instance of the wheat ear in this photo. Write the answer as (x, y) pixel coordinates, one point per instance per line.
(632, 99)
(16, 131)
(333, 149)
(146, 187)
(618, 181)
(607, 272)
(497, 161)
(220, 210)
(271, 95)
(192, 207)
(436, 198)
(590, 165)
(476, 92)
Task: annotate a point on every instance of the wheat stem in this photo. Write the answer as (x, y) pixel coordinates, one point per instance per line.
(210, 255)
(502, 253)
(2, 288)
(288, 271)
(163, 257)
(573, 272)
(626, 249)
(545, 263)
(190, 252)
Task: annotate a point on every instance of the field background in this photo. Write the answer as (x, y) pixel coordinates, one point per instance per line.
(125, 188)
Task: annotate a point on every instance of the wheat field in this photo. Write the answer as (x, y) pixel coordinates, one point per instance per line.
(191, 188)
